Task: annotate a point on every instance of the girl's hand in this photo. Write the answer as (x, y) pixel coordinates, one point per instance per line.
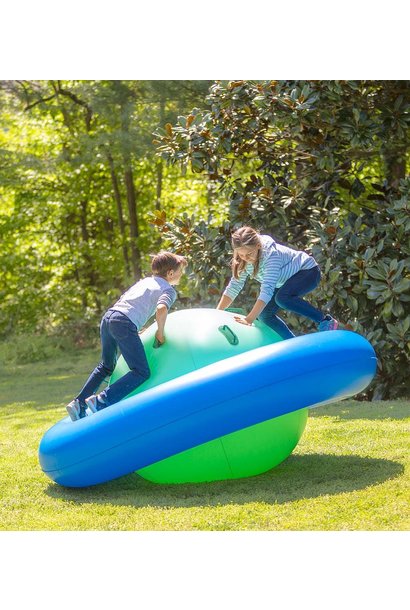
(242, 320)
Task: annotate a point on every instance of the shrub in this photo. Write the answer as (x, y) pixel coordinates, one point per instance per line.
(365, 259)
(24, 349)
(365, 262)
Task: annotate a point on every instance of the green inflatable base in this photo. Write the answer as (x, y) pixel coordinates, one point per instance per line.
(194, 340)
(244, 453)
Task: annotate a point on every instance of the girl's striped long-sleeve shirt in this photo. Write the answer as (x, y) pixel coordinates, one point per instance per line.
(277, 264)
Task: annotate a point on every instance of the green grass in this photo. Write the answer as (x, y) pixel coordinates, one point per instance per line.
(349, 471)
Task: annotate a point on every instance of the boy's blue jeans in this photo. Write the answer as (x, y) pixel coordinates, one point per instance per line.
(288, 297)
(117, 332)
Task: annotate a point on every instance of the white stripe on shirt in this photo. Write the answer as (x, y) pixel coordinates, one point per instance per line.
(277, 264)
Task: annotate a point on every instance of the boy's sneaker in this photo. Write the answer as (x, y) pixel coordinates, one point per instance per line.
(76, 410)
(328, 323)
(94, 403)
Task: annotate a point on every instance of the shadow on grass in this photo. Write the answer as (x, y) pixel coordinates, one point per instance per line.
(300, 476)
(399, 409)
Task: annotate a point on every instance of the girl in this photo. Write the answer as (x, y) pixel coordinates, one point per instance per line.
(285, 276)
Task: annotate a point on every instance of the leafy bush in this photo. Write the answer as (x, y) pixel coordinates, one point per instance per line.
(24, 349)
(320, 165)
(365, 263)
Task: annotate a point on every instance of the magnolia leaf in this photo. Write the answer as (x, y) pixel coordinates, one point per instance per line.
(402, 286)
(236, 83)
(375, 273)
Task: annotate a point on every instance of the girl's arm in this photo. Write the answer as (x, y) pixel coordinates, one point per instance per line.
(253, 314)
(224, 302)
(161, 317)
(232, 290)
(271, 272)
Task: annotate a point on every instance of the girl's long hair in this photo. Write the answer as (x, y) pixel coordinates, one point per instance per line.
(245, 237)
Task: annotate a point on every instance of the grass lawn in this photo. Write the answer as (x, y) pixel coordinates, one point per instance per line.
(349, 471)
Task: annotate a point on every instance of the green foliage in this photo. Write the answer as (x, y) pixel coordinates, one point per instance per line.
(78, 180)
(319, 165)
(84, 199)
(366, 264)
(23, 349)
(309, 142)
(206, 248)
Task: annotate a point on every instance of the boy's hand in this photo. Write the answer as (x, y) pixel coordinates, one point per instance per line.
(159, 339)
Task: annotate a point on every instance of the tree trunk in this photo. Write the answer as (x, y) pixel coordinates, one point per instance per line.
(395, 164)
(118, 201)
(132, 211)
(160, 172)
(89, 272)
(160, 165)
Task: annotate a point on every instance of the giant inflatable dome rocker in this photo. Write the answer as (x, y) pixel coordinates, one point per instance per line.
(224, 401)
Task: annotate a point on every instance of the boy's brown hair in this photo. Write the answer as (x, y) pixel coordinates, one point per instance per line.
(163, 262)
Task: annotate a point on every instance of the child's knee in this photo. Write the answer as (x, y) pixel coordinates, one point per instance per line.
(282, 299)
(143, 373)
(106, 370)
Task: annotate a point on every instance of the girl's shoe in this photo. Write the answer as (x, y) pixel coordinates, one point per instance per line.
(76, 410)
(94, 403)
(328, 323)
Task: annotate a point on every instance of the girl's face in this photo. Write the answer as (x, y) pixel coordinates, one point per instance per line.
(248, 254)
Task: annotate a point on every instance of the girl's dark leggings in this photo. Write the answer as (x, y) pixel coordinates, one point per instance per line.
(288, 297)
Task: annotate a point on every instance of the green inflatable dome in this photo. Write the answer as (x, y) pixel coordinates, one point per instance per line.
(196, 338)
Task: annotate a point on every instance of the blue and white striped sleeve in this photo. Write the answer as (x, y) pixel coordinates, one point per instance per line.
(235, 285)
(271, 273)
(167, 298)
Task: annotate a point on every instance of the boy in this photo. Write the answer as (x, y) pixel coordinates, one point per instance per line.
(119, 330)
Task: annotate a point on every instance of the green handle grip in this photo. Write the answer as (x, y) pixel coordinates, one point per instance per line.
(229, 334)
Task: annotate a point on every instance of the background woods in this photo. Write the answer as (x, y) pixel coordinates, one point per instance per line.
(78, 176)
(87, 192)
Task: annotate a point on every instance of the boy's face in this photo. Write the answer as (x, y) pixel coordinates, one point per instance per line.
(174, 276)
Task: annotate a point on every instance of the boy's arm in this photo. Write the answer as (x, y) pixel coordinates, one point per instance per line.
(161, 316)
(165, 302)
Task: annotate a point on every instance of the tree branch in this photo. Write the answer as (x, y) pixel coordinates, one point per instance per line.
(43, 99)
(78, 101)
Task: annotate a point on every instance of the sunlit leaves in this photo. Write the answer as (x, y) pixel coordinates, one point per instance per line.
(62, 250)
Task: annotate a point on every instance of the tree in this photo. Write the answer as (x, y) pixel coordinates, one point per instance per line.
(294, 146)
(319, 164)
(79, 179)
